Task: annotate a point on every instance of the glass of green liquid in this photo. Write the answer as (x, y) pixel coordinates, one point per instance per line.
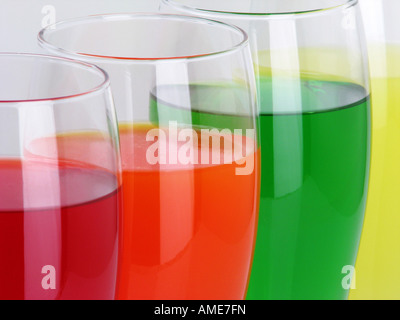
(314, 121)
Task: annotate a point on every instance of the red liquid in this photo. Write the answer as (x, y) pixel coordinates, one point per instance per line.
(61, 215)
(189, 230)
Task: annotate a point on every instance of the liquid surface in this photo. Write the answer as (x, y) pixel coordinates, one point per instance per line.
(61, 215)
(215, 105)
(315, 160)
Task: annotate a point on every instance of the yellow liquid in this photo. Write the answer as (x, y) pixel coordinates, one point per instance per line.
(378, 262)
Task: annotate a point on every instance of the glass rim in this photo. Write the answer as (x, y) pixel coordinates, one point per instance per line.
(103, 84)
(132, 16)
(255, 15)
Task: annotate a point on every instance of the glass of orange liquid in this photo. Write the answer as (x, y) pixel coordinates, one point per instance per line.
(185, 94)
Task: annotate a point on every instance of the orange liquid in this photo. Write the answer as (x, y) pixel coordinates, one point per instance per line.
(188, 230)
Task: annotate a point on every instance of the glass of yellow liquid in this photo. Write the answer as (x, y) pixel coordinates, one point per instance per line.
(378, 262)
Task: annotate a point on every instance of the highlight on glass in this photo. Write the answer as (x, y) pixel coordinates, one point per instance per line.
(312, 76)
(185, 95)
(379, 257)
(59, 180)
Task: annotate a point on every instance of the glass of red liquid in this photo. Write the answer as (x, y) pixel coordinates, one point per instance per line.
(185, 93)
(59, 180)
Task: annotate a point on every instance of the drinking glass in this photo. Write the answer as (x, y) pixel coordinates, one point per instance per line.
(59, 180)
(185, 95)
(312, 78)
(379, 259)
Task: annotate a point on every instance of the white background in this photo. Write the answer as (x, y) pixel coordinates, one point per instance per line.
(21, 20)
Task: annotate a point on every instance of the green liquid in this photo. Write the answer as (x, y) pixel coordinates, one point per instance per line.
(313, 188)
(315, 140)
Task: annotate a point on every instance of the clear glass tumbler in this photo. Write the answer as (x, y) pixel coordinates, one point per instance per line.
(311, 67)
(59, 180)
(185, 94)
